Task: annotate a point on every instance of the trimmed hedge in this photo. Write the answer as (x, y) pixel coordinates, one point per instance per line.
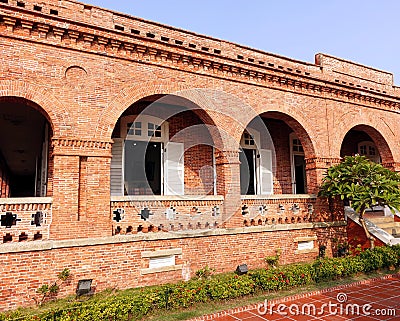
(135, 304)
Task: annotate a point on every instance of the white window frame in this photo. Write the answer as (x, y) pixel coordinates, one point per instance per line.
(145, 120)
(375, 158)
(257, 159)
(293, 153)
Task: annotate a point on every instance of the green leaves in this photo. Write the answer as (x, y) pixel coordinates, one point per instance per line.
(362, 182)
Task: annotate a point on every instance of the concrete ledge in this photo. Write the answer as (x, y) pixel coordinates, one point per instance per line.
(161, 269)
(157, 253)
(279, 197)
(377, 232)
(26, 200)
(306, 251)
(49, 245)
(305, 238)
(160, 198)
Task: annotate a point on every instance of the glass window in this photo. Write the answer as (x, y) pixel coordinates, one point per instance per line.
(134, 128)
(153, 130)
(297, 147)
(248, 139)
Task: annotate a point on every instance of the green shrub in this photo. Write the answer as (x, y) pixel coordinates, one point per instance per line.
(183, 294)
(328, 268)
(205, 272)
(230, 286)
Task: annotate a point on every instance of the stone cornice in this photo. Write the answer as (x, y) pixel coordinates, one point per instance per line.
(113, 44)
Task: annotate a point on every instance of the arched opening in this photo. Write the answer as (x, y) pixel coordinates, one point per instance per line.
(367, 141)
(24, 149)
(256, 160)
(273, 158)
(163, 146)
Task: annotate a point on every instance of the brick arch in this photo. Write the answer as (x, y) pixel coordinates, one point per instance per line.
(379, 141)
(378, 130)
(303, 135)
(297, 125)
(204, 98)
(54, 111)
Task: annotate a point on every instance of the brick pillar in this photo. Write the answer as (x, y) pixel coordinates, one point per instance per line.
(394, 166)
(228, 185)
(98, 197)
(324, 210)
(81, 189)
(65, 196)
(316, 169)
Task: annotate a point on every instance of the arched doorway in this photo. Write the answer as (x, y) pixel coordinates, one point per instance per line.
(24, 148)
(273, 157)
(256, 177)
(298, 165)
(162, 146)
(367, 141)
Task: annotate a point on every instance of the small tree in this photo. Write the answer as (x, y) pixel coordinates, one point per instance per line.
(364, 184)
(47, 291)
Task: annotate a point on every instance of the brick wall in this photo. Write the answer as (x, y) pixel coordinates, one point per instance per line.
(119, 265)
(83, 67)
(186, 127)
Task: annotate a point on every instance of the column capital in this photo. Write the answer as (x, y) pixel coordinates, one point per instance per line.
(227, 156)
(81, 147)
(321, 162)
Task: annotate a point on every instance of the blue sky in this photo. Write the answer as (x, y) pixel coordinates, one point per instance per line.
(364, 31)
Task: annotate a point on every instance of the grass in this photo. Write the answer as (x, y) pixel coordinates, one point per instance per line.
(213, 307)
(205, 308)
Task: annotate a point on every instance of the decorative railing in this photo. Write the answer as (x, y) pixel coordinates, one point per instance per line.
(132, 214)
(277, 209)
(25, 219)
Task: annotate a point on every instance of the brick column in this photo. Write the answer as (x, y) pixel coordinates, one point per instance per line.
(228, 185)
(394, 166)
(324, 210)
(315, 169)
(81, 189)
(65, 196)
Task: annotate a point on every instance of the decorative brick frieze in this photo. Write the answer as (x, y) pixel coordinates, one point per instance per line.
(321, 163)
(242, 71)
(67, 146)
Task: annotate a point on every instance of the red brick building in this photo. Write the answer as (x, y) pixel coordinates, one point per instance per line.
(136, 153)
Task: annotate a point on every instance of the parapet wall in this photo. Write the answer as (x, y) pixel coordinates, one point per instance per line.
(123, 28)
(354, 74)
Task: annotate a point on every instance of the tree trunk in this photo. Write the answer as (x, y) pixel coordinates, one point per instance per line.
(367, 233)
